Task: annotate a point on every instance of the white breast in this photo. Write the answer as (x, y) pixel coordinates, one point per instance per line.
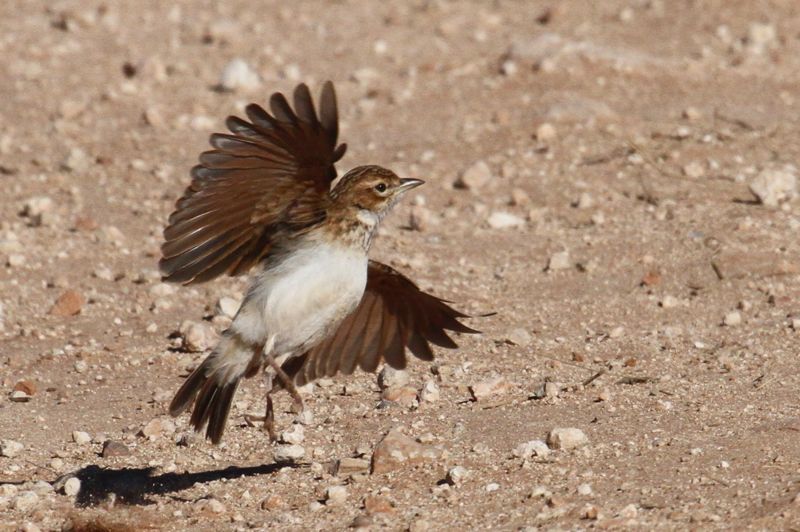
(303, 298)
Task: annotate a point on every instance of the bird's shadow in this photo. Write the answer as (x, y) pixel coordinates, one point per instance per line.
(135, 485)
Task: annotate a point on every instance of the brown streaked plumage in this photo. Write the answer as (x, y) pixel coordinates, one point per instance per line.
(263, 197)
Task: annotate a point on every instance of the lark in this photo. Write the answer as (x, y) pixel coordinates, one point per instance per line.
(266, 199)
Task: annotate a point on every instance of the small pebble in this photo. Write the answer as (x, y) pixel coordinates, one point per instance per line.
(519, 336)
(288, 453)
(566, 438)
(10, 448)
(430, 392)
(227, 306)
(72, 487)
(475, 177)
(493, 486)
(238, 75)
(457, 475)
(215, 506)
(669, 302)
(68, 303)
(559, 261)
(335, 495)
(489, 388)
(504, 220)
(694, 170)
(546, 132)
(293, 435)
(585, 490)
(773, 186)
(81, 438)
(733, 318)
(26, 501)
(392, 378)
(114, 448)
(531, 448)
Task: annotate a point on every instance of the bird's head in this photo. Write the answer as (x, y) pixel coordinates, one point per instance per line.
(372, 190)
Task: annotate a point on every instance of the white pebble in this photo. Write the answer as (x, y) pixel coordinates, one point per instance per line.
(546, 132)
(72, 487)
(566, 438)
(335, 495)
(559, 261)
(237, 75)
(733, 318)
(504, 220)
(288, 453)
(456, 475)
(80, 437)
(10, 448)
(532, 448)
(294, 435)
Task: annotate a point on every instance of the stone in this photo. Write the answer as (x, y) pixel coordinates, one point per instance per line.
(566, 438)
(68, 303)
(474, 178)
(293, 435)
(559, 261)
(158, 427)
(392, 378)
(10, 448)
(378, 504)
(694, 170)
(288, 453)
(76, 161)
(733, 318)
(536, 448)
(113, 448)
(37, 207)
(403, 395)
(420, 218)
(519, 336)
(429, 392)
(80, 437)
(396, 450)
(457, 475)
(761, 38)
(273, 502)
(796, 324)
(335, 495)
(349, 466)
(773, 186)
(19, 396)
(669, 302)
(215, 506)
(238, 75)
(72, 487)
(227, 306)
(489, 388)
(504, 220)
(25, 501)
(519, 197)
(197, 337)
(546, 132)
(16, 260)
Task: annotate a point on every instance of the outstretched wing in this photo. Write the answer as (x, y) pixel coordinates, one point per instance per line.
(392, 315)
(268, 179)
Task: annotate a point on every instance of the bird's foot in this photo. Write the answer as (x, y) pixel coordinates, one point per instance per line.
(268, 420)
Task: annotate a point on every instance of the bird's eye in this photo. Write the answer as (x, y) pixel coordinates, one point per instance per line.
(380, 187)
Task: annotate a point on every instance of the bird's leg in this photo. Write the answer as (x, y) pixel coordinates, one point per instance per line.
(288, 384)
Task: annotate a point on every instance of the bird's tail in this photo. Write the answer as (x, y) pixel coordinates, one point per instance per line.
(212, 385)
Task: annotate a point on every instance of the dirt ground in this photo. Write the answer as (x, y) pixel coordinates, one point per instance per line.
(589, 169)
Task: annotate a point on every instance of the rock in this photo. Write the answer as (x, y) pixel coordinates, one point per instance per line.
(68, 304)
(616, 332)
(519, 197)
(584, 490)
(475, 177)
(25, 501)
(546, 132)
(732, 319)
(76, 161)
(114, 448)
(18, 396)
(293, 435)
(378, 504)
(335, 495)
(72, 487)
(158, 427)
(773, 186)
(215, 506)
(227, 306)
(273, 502)
(238, 75)
(350, 466)
(397, 450)
(796, 324)
(532, 448)
(25, 386)
(288, 453)
(504, 220)
(489, 388)
(669, 302)
(420, 218)
(16, 260)
(492, 486)
(197, 337)
(404, 395)
(629, 512)
(392, 378)
(509, 67)
(694, 170)
(761, 38)
(584, 201)
(559, 261)
(38, 209)
(429, 392)
(519, 337)
(10, 448)
(457, 475)
(566, 438)
(80, 437)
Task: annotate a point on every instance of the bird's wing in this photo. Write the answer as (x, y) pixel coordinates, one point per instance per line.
(268, 179)
(392, 315)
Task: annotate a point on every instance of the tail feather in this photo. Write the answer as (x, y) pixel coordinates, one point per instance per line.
(211, 387)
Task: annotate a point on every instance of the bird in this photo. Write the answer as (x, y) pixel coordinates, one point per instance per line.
(266, 200)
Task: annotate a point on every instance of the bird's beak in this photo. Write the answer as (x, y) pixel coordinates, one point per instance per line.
(407, 184)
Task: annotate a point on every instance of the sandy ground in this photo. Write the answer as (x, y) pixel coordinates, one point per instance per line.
(644, 295)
